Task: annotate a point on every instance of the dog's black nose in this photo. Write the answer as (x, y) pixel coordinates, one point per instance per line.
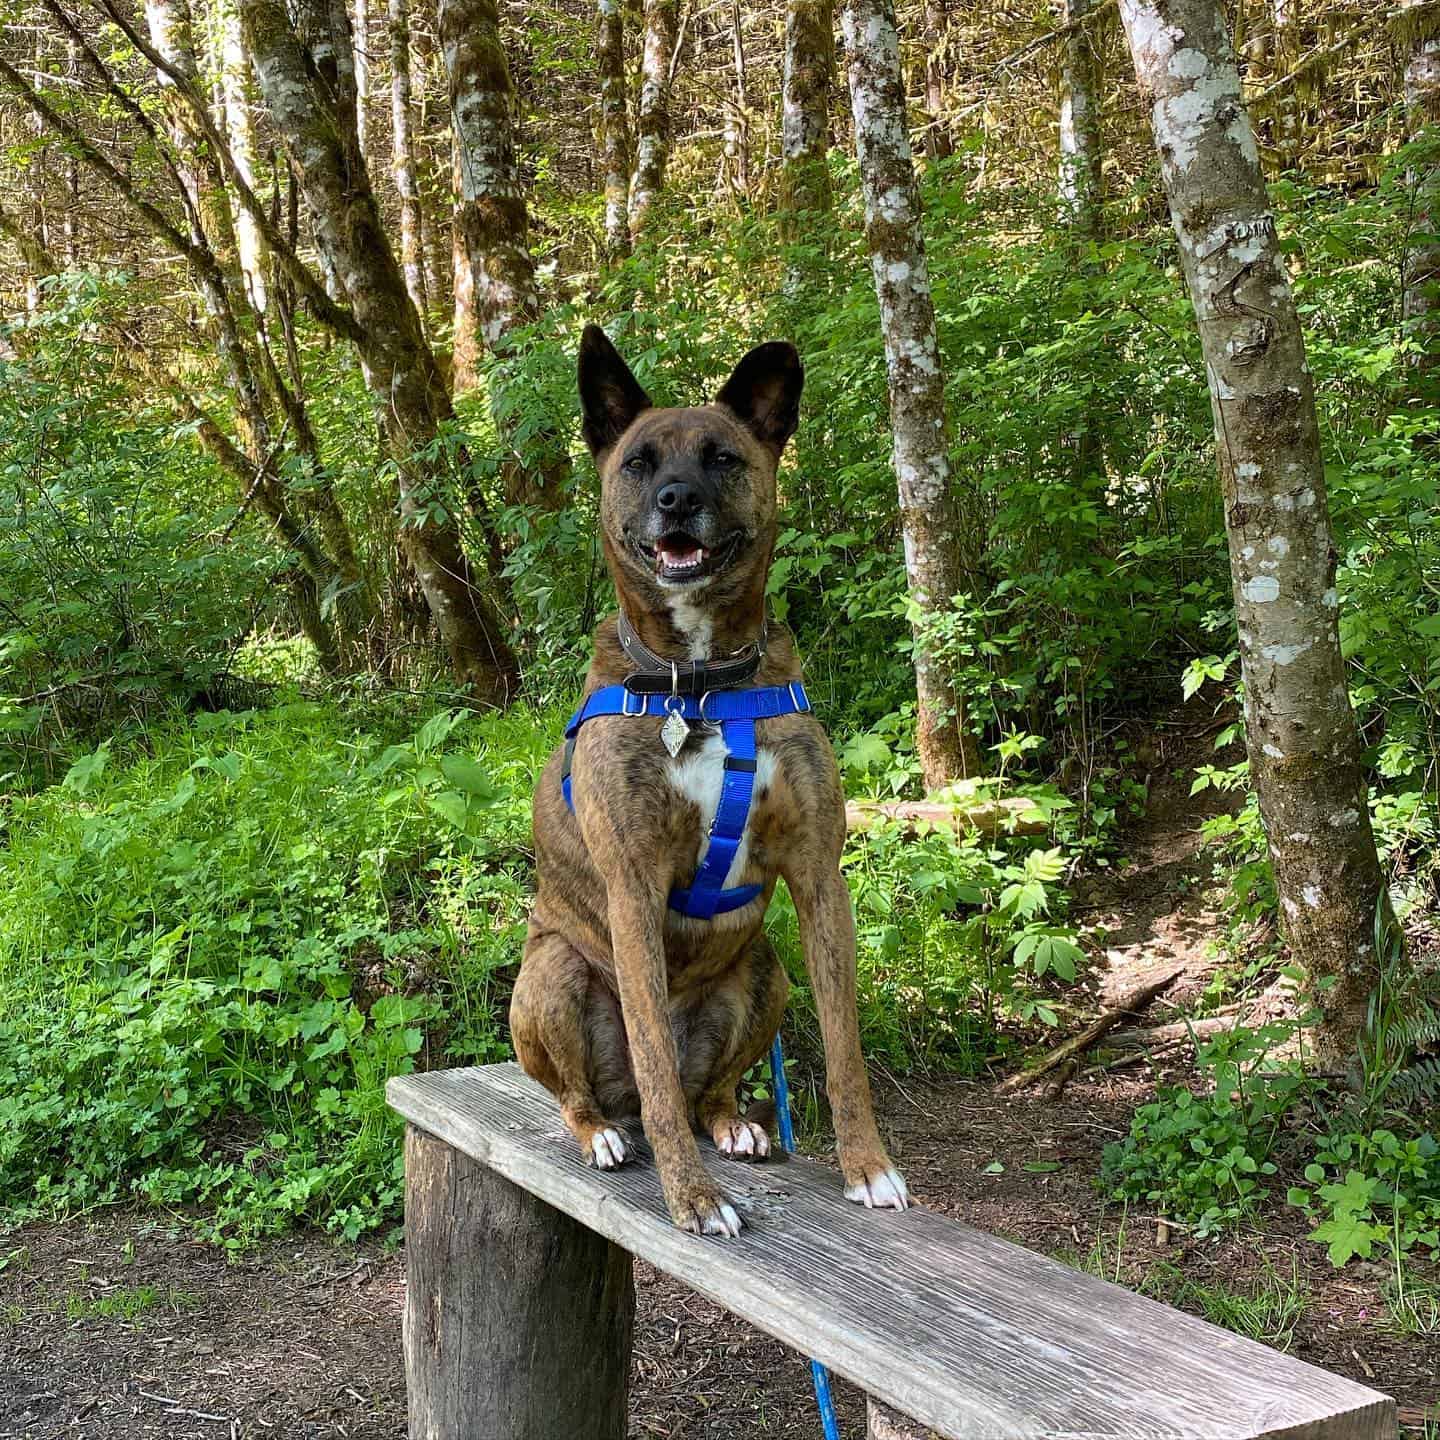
(678, 500)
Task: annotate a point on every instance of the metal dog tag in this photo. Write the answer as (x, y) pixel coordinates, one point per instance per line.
(674, 732)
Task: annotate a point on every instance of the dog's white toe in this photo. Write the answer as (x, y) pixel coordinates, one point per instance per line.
(608, 1149)
(744, 1140)
(886, 1191)
(723, 1221)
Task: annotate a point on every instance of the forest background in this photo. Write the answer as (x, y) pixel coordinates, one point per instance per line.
(298, 556)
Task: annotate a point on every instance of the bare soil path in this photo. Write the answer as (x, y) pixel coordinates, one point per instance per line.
(121, 1327)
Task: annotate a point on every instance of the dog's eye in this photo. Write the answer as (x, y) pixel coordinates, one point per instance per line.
(635, 465)
(725, 459)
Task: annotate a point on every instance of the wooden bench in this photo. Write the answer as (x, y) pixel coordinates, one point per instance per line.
(520, 1303)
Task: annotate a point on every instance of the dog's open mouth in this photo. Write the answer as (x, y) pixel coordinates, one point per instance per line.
(679, 558)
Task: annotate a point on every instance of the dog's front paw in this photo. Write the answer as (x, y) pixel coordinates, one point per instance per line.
(705, 1211)
(880, 1188)
(740, 1139)
(609, 1148)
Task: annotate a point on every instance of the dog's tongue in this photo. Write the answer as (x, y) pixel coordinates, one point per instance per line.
(679, 554)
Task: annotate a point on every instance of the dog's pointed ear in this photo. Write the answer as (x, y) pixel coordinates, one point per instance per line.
(763, 393)
(610, 396)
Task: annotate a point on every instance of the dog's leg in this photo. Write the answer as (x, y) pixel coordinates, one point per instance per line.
(563, 1033)
(696, 1203)
(742, 1013)
(827, 931)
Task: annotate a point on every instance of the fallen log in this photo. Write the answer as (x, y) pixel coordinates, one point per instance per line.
(1012, 815)
(1177, 1032)
(1077, 1044)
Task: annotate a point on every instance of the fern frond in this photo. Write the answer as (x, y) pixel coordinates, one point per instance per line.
(1419, 1084)
(1420, 1030)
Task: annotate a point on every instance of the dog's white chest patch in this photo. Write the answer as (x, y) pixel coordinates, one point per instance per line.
(694, 623)
(699, 775)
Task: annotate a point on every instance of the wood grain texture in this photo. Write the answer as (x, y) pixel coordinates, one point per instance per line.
(972, 1336)
(518, 1320)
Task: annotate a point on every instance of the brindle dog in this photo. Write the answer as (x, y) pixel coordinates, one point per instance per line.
(624, 1006)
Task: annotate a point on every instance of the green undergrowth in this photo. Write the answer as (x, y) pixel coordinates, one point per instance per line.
(225, 931)
(224, 934)
(1363, 1169)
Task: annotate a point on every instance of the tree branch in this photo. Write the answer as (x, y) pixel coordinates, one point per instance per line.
(34, 254)
(326, 310)
(153, 216)
(112, 88)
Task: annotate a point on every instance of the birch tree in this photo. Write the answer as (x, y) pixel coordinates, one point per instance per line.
(493, 219)
(613, 131)
(172, 32)
(1420, 32)
(1303, 743)
(306, 75)
(1080, 95)
(360, 47)
(895, 239)
(937, 138)
(237, 88)
(652, 120)
(736, 168)
(807, 79)
(403, 166)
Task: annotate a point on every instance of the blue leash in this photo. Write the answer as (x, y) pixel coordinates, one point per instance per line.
(818, 1373)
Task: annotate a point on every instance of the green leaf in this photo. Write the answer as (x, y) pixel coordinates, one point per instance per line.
(865, 752)
(1347, 1236)
(85, 772)
(453, 806)
(466, 775)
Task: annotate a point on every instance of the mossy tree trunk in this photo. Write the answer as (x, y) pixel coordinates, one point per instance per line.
(652, 121)
(1081, 91)
(613, 130)
(306, 75)
(237, 86)
(937, 27)
(402, 157)
(1303, 743)
(736, 168)
(494, 222)
(1419, 29)
(808, 79)
(173, 35)
(895, 238)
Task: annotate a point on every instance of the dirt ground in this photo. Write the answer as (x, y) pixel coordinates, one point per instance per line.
(121, 1326)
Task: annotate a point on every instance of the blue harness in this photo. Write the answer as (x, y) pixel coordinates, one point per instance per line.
(735, 712)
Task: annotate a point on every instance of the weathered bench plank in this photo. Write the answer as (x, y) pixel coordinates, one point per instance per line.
(972, 1336)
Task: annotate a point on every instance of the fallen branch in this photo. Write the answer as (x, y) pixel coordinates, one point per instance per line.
(1136, 1000)
(1011, 816)
(1177, 1032)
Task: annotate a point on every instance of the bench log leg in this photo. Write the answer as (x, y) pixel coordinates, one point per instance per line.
(518, 1320)
(888, 1424)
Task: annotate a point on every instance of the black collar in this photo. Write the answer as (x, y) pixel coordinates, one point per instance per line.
(655, 675)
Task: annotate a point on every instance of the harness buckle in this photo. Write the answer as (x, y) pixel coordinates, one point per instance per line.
(704, 718)
(625, 703)
(798, 697)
